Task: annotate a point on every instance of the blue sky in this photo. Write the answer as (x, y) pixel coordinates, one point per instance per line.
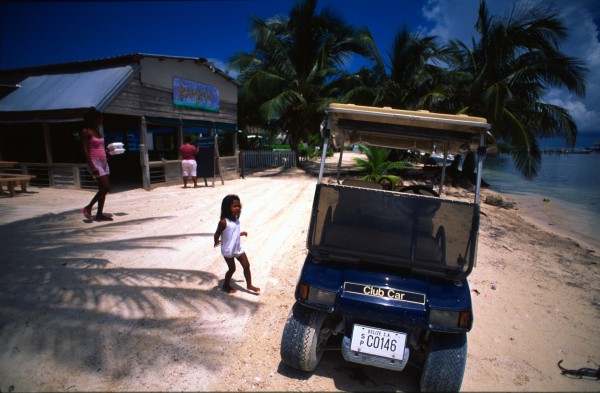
(46, 32)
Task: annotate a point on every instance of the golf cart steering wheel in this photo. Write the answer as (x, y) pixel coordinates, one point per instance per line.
(386, 183)
(417, 190)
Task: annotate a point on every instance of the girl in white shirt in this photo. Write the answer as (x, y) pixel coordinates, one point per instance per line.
(228, 236)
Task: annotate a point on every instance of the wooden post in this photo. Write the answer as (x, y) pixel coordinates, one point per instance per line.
(242, 164)
(47, 143)
(179, 137)
(236, 153)
(218, 161)
(76, 176)
(144, 161)
(48, 148)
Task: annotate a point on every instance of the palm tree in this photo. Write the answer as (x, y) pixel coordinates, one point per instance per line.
(408, 81)
(376, 165)
(507, 72)
(288, 75)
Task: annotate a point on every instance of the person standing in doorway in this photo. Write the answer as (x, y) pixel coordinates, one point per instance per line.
(189, 166)
(92, 142)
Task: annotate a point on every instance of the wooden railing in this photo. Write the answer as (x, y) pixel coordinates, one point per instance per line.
(166, 171)
(269, 159)
(56, 175)
(163, 172)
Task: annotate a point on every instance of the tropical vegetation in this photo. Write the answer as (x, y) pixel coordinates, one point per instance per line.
(376, 165)
(296, 69)
(505, 74)
(287, 78)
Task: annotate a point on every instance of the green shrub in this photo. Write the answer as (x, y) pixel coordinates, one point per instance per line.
(280, 147)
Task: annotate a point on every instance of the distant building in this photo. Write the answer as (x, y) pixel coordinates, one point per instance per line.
(149, 102)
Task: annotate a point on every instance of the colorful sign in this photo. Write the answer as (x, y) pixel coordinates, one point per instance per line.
(194, 95)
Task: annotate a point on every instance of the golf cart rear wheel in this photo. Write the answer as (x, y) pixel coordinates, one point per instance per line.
(445, 363)
(300, 339)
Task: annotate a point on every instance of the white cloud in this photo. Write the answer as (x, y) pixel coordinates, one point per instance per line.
(456, 19)
(452, 19)
(582, 43)
(587, 120)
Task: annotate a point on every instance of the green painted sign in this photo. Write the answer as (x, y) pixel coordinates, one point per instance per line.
(194, 95)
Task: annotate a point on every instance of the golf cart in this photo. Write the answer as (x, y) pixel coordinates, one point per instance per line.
(385, 279)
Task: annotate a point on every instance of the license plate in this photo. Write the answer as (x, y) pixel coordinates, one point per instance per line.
(379, 342)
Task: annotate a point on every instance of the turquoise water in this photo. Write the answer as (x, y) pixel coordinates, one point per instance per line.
(570, 181)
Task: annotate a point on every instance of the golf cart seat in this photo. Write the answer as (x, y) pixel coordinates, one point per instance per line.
(362, 183)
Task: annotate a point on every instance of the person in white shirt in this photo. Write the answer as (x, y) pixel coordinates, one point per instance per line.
(228, 236)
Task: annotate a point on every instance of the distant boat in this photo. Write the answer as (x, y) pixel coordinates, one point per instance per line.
(585, 150)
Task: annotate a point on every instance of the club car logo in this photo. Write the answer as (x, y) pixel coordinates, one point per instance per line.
(384, 293)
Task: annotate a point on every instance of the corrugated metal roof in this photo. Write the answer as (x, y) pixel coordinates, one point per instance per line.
(75, 90)
(115, 60)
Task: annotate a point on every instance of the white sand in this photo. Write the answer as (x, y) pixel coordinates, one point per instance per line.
(134, 304)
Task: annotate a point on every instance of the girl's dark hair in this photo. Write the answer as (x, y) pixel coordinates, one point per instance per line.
(226, 205)
(90, 117)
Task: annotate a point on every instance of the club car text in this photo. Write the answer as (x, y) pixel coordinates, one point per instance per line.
(385, 293)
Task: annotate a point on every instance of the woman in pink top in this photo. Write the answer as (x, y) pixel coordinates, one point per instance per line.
(95, 155)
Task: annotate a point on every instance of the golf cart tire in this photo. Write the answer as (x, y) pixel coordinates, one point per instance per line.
(444, 366)
(300, 338)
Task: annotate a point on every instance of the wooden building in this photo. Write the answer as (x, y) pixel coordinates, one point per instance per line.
(149, 102)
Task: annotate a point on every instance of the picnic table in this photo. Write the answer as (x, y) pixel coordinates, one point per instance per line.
(11, 179)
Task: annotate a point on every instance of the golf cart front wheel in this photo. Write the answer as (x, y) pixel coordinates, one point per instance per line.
(445, 363)
(301, 336)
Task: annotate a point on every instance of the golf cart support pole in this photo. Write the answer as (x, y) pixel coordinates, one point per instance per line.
(444, 164)
(339, 166)
(481, 152)
(325, 131)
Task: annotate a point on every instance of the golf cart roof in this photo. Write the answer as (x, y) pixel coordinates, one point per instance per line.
(403, 129)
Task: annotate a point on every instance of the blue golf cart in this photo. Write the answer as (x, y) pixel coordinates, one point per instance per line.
(385, 278)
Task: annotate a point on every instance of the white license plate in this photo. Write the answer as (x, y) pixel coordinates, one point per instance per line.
(379, 342)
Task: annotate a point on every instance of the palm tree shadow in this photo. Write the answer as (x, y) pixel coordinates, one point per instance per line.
(78, 310)
(237, 287)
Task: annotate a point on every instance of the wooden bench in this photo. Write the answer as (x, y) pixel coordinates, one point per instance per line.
(11, 180)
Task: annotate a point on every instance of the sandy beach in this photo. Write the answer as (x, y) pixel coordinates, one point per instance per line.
(135, 304)
(551, 216)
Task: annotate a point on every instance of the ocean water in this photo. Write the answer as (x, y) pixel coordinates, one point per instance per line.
(570, 183)
(583, 140)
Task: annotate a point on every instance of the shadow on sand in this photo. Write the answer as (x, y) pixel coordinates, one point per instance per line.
(65, 304)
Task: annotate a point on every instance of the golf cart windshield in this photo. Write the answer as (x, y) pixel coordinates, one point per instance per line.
(362, 225)
(421, 233)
